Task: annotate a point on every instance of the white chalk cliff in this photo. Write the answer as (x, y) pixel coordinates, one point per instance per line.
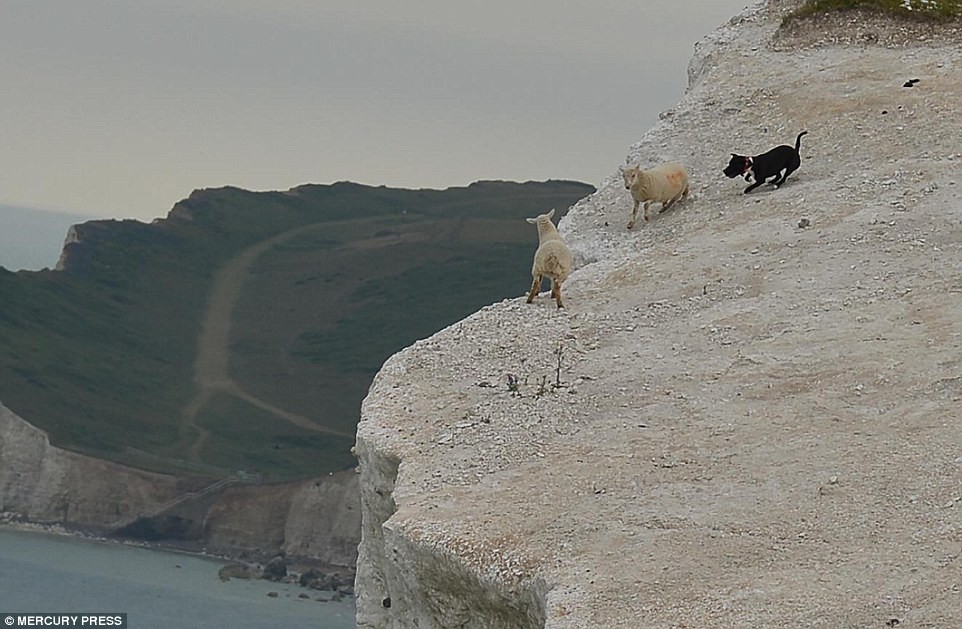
(748, 413)
(41, 483)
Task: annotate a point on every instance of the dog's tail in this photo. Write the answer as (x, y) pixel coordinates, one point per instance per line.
(798, 140)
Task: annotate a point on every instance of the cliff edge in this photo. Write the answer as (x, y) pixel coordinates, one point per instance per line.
(747, 415)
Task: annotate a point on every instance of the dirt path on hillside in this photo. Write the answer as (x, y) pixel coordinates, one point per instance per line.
(211, 374)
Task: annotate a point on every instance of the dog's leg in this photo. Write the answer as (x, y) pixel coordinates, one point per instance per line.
(780, 178)
(791, 166)
(754, 174)
(788, 171)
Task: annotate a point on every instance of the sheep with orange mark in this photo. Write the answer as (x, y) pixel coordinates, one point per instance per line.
(552, 258)
(663, 184)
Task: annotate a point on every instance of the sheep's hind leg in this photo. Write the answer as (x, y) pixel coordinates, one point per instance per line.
(535, 287)
(556, 292)
(681, 195)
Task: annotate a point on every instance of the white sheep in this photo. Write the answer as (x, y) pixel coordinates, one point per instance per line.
(552, 259)
(663, 184)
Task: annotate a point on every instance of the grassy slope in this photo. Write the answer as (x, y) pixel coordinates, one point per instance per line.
(920, 9)
(101, 355)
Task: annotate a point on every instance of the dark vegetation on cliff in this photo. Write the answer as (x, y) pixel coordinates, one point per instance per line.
(103, 355)
(919, 9)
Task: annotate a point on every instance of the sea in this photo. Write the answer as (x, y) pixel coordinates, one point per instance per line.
(43, 573)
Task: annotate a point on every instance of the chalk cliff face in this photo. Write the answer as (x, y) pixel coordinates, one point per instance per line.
(72, 237)
(46, 484)
(316, 519)
(747, 413)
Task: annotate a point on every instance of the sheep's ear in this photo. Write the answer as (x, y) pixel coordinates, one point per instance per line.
(531, 220)
(551, 213)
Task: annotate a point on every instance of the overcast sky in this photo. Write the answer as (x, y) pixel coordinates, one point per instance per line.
(119, 108)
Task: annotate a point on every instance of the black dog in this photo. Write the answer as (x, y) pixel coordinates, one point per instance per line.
(763, 166)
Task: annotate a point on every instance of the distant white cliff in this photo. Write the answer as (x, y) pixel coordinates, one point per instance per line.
(315, 519)
(43, 483)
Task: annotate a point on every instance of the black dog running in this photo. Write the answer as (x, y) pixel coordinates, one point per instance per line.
(761, 167)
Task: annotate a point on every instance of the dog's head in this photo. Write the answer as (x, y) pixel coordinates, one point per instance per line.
(738, 165)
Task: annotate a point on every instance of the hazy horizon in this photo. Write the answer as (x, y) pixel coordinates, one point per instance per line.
(32, 239)
(120, 109)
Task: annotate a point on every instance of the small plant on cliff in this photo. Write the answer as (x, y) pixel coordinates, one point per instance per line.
(557, 373)
(544, 387)
(939, 10)
(513, 385)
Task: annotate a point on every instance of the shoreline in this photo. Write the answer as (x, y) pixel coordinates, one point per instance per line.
(254, 568)
(18, 523)
(40, 571)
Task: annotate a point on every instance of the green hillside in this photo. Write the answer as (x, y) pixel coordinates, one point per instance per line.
(938, 10)
(242, 332)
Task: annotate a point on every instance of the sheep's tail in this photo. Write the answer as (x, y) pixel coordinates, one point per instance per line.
(798, 140)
